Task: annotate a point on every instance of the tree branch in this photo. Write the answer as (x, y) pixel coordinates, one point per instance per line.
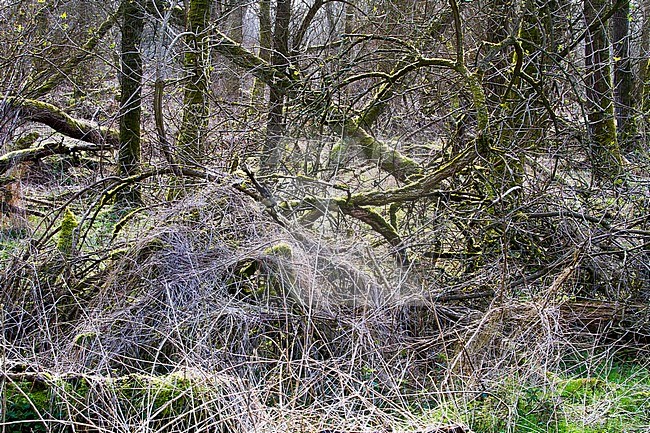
(43, 82)
(10, 159)
(61, 122)
(598, 21)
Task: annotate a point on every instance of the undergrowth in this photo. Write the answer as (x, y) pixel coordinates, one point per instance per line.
(209, 314)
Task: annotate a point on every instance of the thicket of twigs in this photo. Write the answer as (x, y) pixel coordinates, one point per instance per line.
(322, 326)
(335, 292)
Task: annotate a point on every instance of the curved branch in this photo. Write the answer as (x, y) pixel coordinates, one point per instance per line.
(304, 26)
(375, 151)
(61, 122)
(379, 225)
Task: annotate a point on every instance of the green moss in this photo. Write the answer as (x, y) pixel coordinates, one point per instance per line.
(66, 232)
(579, 387)
(176, 401)
(280, 250)
(29, 404)
(26, 141)
(482, 115)
(612, 399)
(84, 339)
(337, 152)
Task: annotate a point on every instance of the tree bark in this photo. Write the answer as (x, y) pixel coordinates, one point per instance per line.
(234, 12)
(623, 77)
(644, 70)
(604, 152)
(128, 162)
(192, 135)
(265, 41)
(11, 159)
(57, 119)
(275, 126)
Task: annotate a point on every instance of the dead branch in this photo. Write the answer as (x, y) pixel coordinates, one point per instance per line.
(10, 159)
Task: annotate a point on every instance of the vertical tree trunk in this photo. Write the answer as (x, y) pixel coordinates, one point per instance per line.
(605, 154)
(265, 42)
(276, 125)
(349, 18)
(644, 70)
(130, 98)
(191, 138)
(235, 11)
(496, 30)
(623, 78)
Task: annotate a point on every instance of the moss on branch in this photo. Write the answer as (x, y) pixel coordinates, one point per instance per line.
(63, 123)
(379, 153)
(248, 61)
(380, 226)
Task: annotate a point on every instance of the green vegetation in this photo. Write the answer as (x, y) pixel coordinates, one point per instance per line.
(616, 399)
(66, 233)
(177, 400)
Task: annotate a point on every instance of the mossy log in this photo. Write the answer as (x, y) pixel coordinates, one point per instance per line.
(57, 119)
(10, 159)
(630, 322)
(186, 400)
(52, 116)
(99, 137)
(379, 153)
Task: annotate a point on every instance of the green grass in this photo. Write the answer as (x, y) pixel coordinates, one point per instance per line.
(613, 399)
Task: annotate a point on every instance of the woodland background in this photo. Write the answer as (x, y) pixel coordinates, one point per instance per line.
(323, 215)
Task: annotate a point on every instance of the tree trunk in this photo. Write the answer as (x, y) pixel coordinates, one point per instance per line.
(265, 42)
(496, 31)
(623, 78)
(605, 154)
(644, 70)
(275, 126)
(234, 11)
(192, 135)
(128, 163)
